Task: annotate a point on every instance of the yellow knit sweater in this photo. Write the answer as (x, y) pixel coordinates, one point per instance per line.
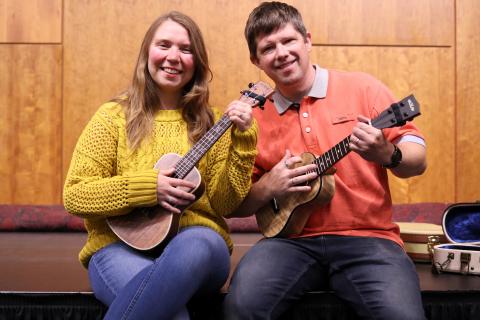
(106, 178)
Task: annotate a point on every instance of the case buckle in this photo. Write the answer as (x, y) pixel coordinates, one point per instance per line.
(432, 242)
(439, 267)
(465, 262)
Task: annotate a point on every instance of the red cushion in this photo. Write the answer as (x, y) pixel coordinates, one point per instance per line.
(38, 218)
(428, 212)
(248, 224)
(55, 218)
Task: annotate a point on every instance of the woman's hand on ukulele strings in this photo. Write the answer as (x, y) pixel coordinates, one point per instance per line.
(285, 177)
(240, 113)
(171, 192)
(369, 142)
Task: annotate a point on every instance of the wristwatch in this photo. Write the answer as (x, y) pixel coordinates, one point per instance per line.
(395, 159)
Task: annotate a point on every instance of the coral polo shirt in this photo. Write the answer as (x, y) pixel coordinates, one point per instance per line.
(361, 205)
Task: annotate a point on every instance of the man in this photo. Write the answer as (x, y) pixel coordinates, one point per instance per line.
(349, 244)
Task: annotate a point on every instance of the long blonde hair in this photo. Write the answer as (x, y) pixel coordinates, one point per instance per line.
(141, 99)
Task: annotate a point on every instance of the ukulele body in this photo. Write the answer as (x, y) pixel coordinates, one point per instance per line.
(295, 208)
(145, 228)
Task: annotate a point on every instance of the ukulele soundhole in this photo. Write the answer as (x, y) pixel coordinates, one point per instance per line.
(146, 213)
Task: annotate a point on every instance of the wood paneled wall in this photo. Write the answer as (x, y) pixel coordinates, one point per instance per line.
(467, 133)
(62, 59)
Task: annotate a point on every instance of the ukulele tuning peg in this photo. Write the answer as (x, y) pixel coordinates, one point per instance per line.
(251, 84)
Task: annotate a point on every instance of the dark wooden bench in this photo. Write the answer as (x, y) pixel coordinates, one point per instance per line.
(41, 278)
(445, 297)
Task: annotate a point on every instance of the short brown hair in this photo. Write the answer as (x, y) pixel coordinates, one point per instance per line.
(269, 17)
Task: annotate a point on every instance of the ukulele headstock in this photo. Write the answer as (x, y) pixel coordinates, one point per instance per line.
(256, 94)
(398, 113)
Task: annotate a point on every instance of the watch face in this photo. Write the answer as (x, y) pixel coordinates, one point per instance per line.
(397, 155)
(395, 159)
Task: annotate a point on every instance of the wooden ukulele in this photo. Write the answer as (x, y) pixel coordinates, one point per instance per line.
(288, 215)
(146, 228)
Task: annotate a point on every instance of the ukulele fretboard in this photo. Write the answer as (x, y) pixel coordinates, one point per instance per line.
(191, 158)
(332, 156)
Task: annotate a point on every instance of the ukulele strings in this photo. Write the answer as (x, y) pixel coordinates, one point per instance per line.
(186, 164)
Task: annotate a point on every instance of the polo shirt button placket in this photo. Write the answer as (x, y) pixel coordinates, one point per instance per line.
(307, 128)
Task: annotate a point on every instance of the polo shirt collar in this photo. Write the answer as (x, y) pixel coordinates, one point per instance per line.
(318, 90)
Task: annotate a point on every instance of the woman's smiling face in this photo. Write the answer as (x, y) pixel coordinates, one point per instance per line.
(170, 59)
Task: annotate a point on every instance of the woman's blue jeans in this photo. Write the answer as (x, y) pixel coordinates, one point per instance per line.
(136, 286)
(374, 276)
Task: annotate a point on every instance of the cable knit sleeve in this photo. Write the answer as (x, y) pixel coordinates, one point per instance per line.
(92, 186)
(229, 169)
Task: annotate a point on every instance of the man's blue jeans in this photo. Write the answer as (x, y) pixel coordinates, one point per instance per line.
(137, 286)
(374, 276)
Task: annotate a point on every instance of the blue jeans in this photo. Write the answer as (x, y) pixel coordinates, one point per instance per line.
(374, 276)
(137, 286)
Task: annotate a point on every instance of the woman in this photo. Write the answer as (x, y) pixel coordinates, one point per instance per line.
(164, 110)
